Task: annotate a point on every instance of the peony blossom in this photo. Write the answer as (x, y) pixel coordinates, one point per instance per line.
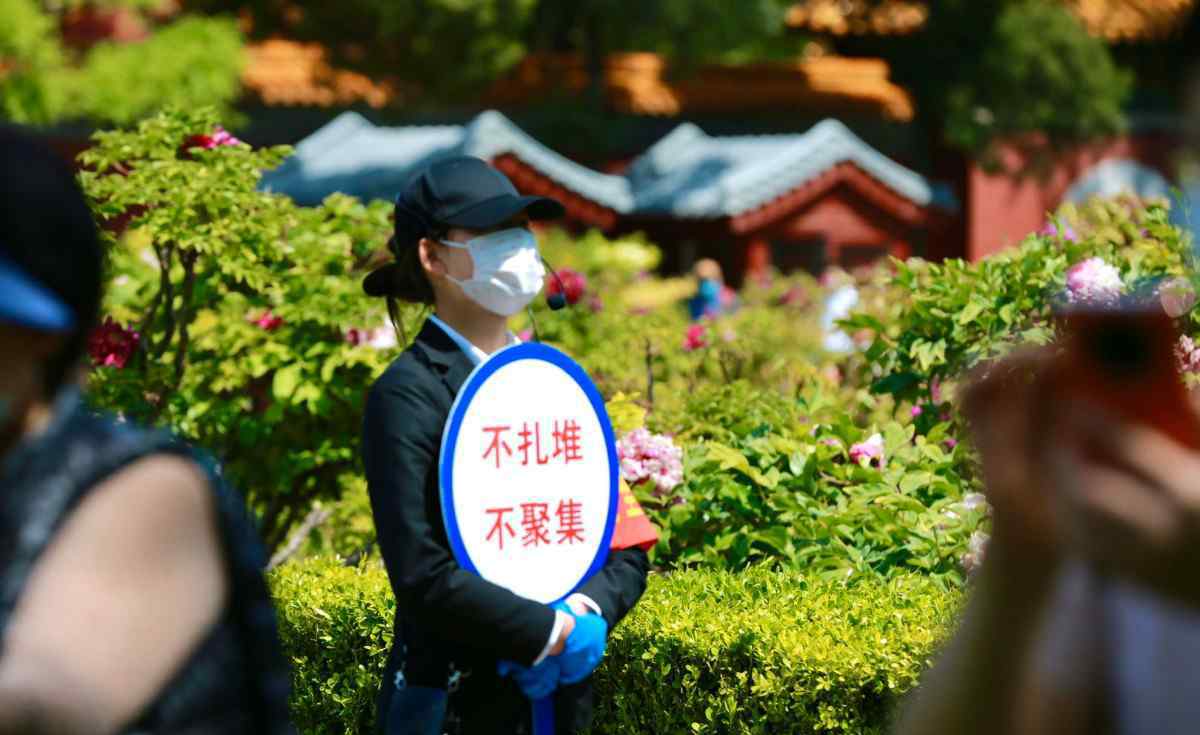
(219, 137)
(951, 443)
(696, 338)
(646, 457)
(1051, 230)
(570, 283)
(1093, 281)
(525, 335)
(268, 321)
(976, 550)
(383, 338)
(1188, 355)
(1177, 296)
(870, 450)
(111, 345)
(974, 501)
(916, 411)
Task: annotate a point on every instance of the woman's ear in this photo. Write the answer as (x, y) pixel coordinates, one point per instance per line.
(430, 262)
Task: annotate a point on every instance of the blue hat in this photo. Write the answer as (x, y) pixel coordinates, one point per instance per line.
(27, 303)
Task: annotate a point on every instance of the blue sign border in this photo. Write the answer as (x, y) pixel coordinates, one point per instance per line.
(507, 356)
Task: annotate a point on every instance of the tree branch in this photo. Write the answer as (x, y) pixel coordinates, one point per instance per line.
(312, 521)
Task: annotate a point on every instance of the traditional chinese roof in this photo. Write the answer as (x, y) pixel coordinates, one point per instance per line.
(291, 73)
(686, 175)
(1114, 20)
(641, 83)
(354, 156)
(689, 174)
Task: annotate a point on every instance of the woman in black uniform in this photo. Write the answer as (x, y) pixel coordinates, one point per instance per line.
(131, 593)
(462, 244)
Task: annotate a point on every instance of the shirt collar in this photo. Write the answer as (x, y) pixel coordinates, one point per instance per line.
(477, 355)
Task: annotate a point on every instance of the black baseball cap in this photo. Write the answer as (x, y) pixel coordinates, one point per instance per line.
(461, 191)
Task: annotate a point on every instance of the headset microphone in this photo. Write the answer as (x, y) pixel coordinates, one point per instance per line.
(558, 300)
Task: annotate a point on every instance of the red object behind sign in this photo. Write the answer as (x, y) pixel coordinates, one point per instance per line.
(633, 528)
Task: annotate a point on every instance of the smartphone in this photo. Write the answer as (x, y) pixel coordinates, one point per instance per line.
(1123, 360)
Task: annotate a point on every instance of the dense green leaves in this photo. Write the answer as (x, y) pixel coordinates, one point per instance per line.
(245, 302)
(191, 62)
(704, 651)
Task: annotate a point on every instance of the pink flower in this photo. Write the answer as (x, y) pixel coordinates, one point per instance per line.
(596, 304)
(830, 442)
(219, 137)
(1093, 281)
(111, 345)
(1188, 355)
(1178, 296)
(268, 321)
(1051, 230)
(870, 450)
(976, 551)
(935, 390)
(974, 501)
(951, 443)
(794, 295)
(695, 338)
(571, 283)
(650, 457)
(525, 335)
(355, 337)
(916, 411)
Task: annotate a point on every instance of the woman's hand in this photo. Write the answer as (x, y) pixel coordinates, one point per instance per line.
(568, 628)
(1130, 501)
(1003, 404)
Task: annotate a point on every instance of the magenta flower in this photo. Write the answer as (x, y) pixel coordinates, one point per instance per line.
(830, 441)
(525, 335)
(650, 457)
(916, 411)
(951, 443)
(870, 450)
(268, 321)
(220, 136)
(695, 338)
(1093, 281)
(570, 283)
(1051, 230)
(111, 345)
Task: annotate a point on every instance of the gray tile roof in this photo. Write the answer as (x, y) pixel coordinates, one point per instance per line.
(687, 174)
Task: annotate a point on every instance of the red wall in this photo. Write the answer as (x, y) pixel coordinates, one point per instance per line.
(845, 220)
(1002, 208)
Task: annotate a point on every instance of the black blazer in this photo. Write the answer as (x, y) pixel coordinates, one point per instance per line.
(451, 625)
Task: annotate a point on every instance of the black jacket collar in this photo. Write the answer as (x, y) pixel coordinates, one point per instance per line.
(444, 355)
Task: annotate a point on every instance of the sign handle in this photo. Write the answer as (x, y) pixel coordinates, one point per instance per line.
(543, 716)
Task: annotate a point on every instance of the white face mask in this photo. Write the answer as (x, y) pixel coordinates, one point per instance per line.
(508, 270)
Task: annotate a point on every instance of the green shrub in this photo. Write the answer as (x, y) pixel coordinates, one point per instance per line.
(704, 652)
(947, 317)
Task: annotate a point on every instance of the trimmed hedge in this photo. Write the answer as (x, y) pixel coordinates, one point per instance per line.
(706, 651)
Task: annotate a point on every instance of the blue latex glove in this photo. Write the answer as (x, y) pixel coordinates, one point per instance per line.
(536, 683)
(585, 648)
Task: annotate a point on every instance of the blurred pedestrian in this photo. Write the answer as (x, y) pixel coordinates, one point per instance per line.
(131, 593)
(713, 298)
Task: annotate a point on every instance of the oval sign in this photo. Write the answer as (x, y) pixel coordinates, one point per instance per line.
(529, 473)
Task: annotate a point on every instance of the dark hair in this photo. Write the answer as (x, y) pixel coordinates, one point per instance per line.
(47, 229)
(409, 282)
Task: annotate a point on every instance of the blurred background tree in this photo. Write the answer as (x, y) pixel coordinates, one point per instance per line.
(112, 61)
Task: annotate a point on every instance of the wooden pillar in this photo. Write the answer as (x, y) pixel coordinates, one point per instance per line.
(756, 257)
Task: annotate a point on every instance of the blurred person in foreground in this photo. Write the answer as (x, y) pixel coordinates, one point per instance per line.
(1085, 617)
(131, 593)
